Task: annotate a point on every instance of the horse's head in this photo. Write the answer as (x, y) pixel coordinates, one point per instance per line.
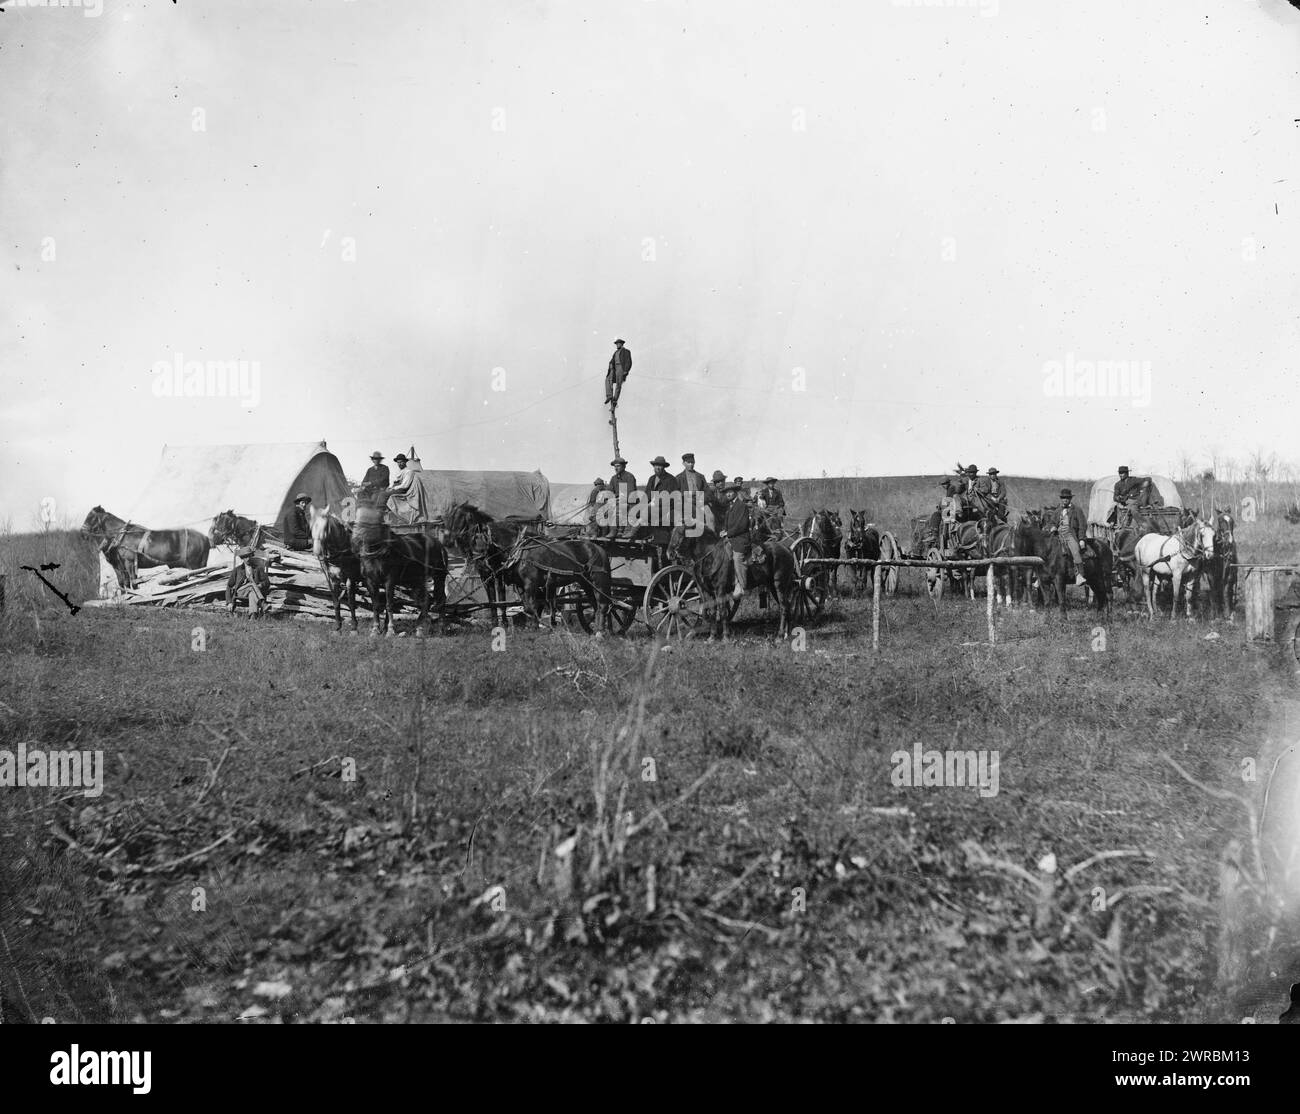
(1224, 525)
(677, 541)
(1199, 536)
(857, 526)
(223, 527)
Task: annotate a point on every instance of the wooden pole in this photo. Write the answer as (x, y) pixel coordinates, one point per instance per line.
(988, 581)
(875, 611)
(613, 422)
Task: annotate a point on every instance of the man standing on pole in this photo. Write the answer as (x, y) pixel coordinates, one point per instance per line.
(620, 363)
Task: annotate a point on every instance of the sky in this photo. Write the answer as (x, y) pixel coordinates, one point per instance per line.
(857, 237)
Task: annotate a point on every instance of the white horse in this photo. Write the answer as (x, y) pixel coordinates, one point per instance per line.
(1170, 558)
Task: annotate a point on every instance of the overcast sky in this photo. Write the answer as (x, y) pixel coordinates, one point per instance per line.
(927, 218)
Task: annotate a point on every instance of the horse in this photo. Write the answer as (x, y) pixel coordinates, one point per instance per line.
(1223, 563)
(517, 553)
(128, 547)
(827, 530)
(863, 544)
(1027, 583)
(1171, 558)
(389, 560)
(709, 559)
(331, 544)
(229, 528)
(998, 540)
(1045, 543)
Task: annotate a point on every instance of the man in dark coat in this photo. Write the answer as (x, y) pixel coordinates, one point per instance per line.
(620, 363)
(297, 523)
(997, 496)
(1070, 527)
(375, 482)
(623, 486)
(736, 528)
(715, 498)
(694, 488)
(1127, 489)
(771, 496)
(659, 485)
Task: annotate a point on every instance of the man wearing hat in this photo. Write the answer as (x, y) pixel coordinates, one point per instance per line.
(374, 482)
(1071, 526)
(659, 485)
(735, 527)
(598, 495)
(715, 498)
(997, 495)
(1126, 490)
(622, 488)
(693, 487)
(770, 497)
(402, 484)
(620, 363)
(297, 523)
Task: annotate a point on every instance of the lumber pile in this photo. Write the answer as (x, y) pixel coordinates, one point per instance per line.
(298, 586)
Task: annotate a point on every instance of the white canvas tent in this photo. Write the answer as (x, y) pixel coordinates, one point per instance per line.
(1102, 496)
(499, 494)
(194, 483)
(569, 504)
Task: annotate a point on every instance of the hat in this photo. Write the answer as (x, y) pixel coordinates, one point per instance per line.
(376, 455)
(659, 460)
(770, 480)
(719, 476)
(400, 457)
(302, 497)
(618, 460)
(688, 456)
(993, 471)
(971, 470)
(1066, 493)
(619, 341)
(1123, 468)
(738, 480)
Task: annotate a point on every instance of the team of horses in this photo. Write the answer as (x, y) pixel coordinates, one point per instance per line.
(355, 546)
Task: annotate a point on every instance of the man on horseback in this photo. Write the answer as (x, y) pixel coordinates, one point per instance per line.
(715, 499)
(1071, 526)
(735, 528)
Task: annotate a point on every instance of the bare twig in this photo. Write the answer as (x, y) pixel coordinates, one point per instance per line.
(196, 854)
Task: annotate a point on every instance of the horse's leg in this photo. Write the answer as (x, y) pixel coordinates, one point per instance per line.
(352, 597)
(422, 602)
(374, 583)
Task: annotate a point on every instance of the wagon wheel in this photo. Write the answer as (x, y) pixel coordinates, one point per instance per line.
(889, 551)
(809, 586)
(571, 600)
(674, 604)
(934, 578)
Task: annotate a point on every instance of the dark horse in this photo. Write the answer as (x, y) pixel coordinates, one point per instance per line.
(709, 558)
(863, 544)
(229, 528)
(827, 530)
(389, 560)
(1222, 566)
(1032, 540)
(129, 547)
(518, 554)
(331, 543)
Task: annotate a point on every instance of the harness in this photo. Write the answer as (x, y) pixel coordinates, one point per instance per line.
(1195, 554)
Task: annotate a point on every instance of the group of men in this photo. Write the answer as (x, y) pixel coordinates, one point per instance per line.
(727, 504)
(977, 497)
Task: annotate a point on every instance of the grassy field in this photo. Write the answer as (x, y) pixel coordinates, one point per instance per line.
(301, 826)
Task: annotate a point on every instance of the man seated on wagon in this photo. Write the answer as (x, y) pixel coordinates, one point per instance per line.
(771, 497)
(1125, 495)
(374, 483)
(598, 519)
(297, 523)
(997, 496)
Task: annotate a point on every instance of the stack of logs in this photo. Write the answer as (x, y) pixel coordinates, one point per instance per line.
(298, 585)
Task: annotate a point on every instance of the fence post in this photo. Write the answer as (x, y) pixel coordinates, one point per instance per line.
(1259, 605)
(875, 609)
(988, 581)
